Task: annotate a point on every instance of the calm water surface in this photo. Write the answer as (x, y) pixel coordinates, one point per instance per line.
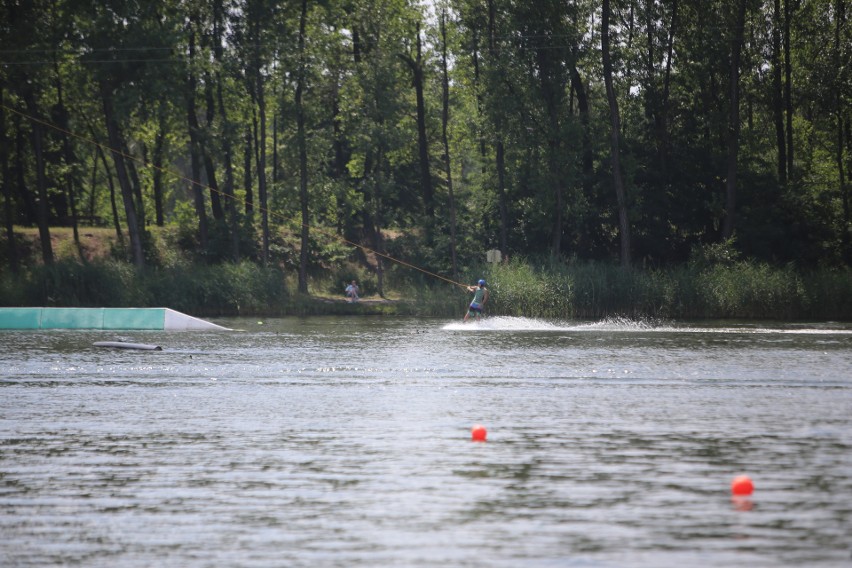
(346, 442)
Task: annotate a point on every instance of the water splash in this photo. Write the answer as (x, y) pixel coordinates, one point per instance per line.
(506, 323)
(520, 324)
(628, 325)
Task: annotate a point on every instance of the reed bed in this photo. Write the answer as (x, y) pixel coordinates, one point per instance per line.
(528, 288)
(740, 290)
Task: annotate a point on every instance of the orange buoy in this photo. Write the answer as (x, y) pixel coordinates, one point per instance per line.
(742, 485)
(478, 433)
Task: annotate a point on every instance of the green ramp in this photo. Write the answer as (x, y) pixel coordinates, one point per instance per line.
(158, 319)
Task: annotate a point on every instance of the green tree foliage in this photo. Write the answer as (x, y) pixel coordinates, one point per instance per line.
(283, 130)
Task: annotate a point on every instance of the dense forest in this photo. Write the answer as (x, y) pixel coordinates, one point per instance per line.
(301, 133)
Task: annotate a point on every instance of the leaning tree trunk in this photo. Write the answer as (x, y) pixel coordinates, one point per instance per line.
(116, 142)
(416, 66)
(116, 222)
(615, 129)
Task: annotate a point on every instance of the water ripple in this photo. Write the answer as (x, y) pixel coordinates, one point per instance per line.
(346, 442)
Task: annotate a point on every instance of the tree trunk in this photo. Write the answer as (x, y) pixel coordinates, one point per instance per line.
(260, 150)
(445, 118)
(195, 148)
(100, 154)
(303, 155)
(663, 125)
(615, 129)
(116, 142)
(275, 164)
(841, 179)
(847, 207)
(159, 149)
(847, 214)
(583, 109)
(116, 222)
(380, 263)
(227, 130)
(68, 154)
(338, 169)
(26, 196)
(477, 85)
(502, 205)
(733, 124)
(213, 185)
(375, 223)
(778, 94)
(500, 157)
(43, 205)
(552, 89)
(207, 152)
(788, 85)
(247, 178)
(6, 187)
(416, 66)
(133, 174)
(839, 23)
(93, 192)
(260, 147)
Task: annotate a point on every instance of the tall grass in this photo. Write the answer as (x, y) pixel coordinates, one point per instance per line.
(752, 290)
(743, 289)
(523, 289)
(238, 289)
(231, 289)
(543, 289)
(827, 295)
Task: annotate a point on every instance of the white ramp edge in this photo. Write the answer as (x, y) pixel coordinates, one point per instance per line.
(181, 322)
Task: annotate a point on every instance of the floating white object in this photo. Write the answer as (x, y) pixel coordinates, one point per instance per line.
(125, 345)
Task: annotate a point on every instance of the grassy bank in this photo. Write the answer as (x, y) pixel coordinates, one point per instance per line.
(742, 291)
(201, 290)
(709, 287)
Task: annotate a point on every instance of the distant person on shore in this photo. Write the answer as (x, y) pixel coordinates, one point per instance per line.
(352, 292)
(480, 297)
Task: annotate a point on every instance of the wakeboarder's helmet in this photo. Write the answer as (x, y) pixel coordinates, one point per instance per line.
(482, 282)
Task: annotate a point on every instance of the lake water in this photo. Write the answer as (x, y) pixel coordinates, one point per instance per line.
(346, 441)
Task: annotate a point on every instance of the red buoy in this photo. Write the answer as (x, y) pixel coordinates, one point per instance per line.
(742, 485)
(478, 433)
